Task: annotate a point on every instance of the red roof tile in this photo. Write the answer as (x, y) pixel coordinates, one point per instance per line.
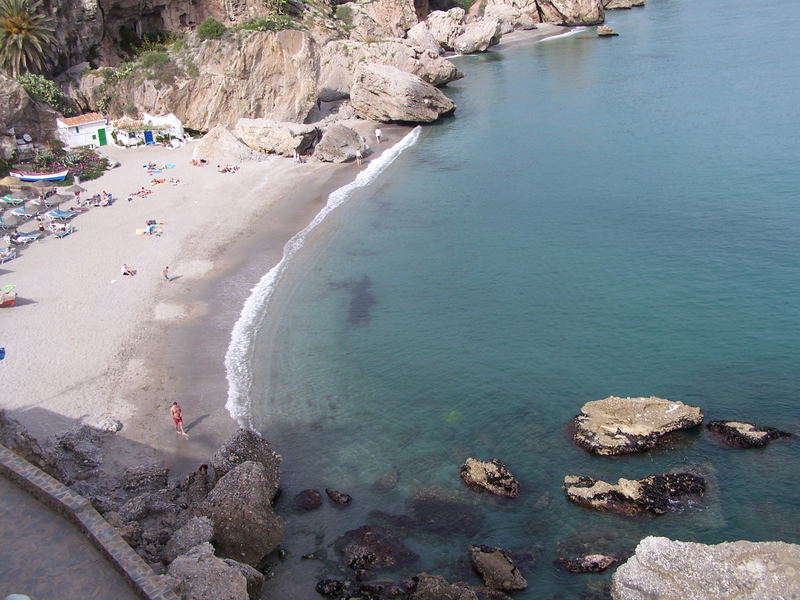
(83, 119)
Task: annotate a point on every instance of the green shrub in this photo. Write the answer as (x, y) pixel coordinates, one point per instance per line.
(345, 14)
(153, 59)
(210, 29)
(44, 90)
(276, 22)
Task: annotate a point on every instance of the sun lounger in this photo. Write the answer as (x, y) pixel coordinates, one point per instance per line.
(64, 233)
(3, 224)
(12, 201)
(7, 254)
(27, 238)
(24, 213)
(61, 215)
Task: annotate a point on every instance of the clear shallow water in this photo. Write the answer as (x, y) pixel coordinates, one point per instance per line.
(600, 217)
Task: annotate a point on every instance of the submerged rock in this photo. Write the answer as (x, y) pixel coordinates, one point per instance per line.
(590, 563)
(745, 435)
(307, 500)
(625, 425)
(662, 568)
(339, 498)
(369, 547)
(653, 494)
(444, 513)
(492, 476)
(496, 568)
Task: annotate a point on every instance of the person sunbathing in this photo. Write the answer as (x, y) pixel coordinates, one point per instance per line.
(126, 270)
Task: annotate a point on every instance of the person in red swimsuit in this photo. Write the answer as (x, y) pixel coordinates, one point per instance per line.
(177, 418)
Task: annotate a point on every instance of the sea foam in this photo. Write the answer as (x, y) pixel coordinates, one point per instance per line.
(237, 358)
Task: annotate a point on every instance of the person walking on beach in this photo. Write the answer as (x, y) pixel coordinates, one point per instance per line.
(359, 157)
(177, 418)
(165, 273)
(378, 134)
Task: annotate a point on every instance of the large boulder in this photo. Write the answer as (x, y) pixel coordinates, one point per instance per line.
(517, 14)
(386, 94)
(248, 445)
(203, 576)
(144, 478)
(745, 435)
(368, 548)
(490, 475)
(245, 527)
(654, 494)
(663, 568)
(478, 36)
(445, 27)
(340, 58)
(419, 35)
(625, 425)
(220, 146)
(17, 439)
(496, 568)
(613, 4)
(571, 12)
(254, 578)
(77, 451)
(276, 138)
(196, 531)
(340, 144)
(378, 19)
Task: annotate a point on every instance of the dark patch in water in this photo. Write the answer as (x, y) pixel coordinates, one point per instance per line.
(361, 302)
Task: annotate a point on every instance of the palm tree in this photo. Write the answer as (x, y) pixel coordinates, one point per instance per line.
(25, 36)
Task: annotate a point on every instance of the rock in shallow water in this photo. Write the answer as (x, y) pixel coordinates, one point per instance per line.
(307, 500)
(653, 494)
(625, 425)
(369, 547)
(590, 563)
(490, 475)
(496, 568)
(662, 568)
(745, 435)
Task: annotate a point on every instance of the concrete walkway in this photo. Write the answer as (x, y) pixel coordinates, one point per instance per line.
(45, 556)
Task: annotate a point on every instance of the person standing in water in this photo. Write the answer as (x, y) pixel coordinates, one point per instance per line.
(177, 418)
(378, 135)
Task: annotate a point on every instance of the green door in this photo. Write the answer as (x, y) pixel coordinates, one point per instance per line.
(101, 136)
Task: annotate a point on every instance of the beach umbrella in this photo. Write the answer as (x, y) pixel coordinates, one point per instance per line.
(58, 199)
(74, 189)
(20, 195)
(42, 184)
(9, 182)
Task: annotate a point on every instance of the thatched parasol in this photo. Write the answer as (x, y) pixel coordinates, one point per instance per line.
(40, 185)
(9, 181)
(74, 189)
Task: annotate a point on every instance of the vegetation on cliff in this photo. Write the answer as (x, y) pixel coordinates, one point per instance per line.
(26, 37)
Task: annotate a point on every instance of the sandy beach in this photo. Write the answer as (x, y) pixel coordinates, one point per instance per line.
(84, 342)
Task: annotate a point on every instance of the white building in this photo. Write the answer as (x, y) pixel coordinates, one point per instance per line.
(90, 129)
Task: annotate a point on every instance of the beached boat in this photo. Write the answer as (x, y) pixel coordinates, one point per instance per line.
(22, 176)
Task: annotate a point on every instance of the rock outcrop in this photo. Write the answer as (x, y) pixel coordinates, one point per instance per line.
(247, 445)
(492, 476)
(662, 568)
(220, 146)
(613, 4)
(20, 112)
(196, 531)
(745, 435)
(516, 14)
(379, 19)
(254, 578)
(496, 568)
(446, 26)
(273, 137)
(203, 576)
(419, 35)
(478, 36)
(625, 425)
(16, 438)
(387, 94)
(245, 527)
(339, 59)
(571, 12)
(655, 494)
(606, 31)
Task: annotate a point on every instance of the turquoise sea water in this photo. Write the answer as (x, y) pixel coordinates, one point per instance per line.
(601, 217)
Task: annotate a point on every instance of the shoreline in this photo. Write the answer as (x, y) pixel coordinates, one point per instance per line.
(160, 344)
